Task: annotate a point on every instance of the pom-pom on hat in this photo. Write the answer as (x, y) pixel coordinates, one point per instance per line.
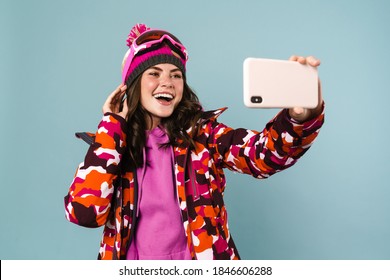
(150, 52)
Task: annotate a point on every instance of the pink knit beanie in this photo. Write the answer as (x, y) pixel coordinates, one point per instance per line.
(148, 57)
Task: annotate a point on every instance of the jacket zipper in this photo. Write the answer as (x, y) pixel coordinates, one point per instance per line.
(187, 156)
(134, 216)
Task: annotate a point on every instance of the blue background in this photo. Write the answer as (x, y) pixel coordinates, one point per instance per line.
(60, 59)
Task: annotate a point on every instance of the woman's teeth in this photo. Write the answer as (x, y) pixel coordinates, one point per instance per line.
(165, 96)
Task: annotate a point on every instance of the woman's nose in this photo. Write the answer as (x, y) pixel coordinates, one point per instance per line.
(166, 82)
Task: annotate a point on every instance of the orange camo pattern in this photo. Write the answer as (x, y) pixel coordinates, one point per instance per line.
(103, 191)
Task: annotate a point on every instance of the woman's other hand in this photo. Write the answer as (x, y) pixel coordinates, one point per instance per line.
(116, 103)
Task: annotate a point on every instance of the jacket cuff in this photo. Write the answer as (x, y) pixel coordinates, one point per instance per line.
(118, 118)
(306, 127)
(111, 131)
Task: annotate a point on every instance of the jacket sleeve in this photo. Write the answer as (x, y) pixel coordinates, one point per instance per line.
(88, 201)
(261, 154)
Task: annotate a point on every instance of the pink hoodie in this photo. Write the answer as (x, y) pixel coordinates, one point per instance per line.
(159, 232)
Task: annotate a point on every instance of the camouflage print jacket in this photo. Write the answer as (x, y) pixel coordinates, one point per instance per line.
(104, 191)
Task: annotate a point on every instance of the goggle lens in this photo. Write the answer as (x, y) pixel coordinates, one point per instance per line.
(154, 35)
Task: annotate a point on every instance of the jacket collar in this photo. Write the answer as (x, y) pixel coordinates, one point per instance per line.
(212, 115)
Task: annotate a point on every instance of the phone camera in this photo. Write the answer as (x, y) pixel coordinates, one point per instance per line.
(256, 99)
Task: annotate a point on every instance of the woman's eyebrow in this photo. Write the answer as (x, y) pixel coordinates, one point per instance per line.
(159, 69)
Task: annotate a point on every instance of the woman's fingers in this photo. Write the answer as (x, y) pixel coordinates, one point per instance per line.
(113, 101)
(311, 60)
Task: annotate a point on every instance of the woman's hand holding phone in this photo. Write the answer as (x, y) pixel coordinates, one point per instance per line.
(303, 114)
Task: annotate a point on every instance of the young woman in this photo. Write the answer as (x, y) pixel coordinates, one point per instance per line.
(154, 173)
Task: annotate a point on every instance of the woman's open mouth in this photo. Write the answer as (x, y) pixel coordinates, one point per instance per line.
(164, 98)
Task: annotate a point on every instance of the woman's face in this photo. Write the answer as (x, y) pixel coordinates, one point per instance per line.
(161, 91)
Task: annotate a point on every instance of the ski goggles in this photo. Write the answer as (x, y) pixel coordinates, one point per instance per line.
(149, 39)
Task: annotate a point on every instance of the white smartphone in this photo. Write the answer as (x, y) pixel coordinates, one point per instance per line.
(271, 83)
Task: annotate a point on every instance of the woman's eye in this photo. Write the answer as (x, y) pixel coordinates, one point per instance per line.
(154, 74)
(177, 76)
